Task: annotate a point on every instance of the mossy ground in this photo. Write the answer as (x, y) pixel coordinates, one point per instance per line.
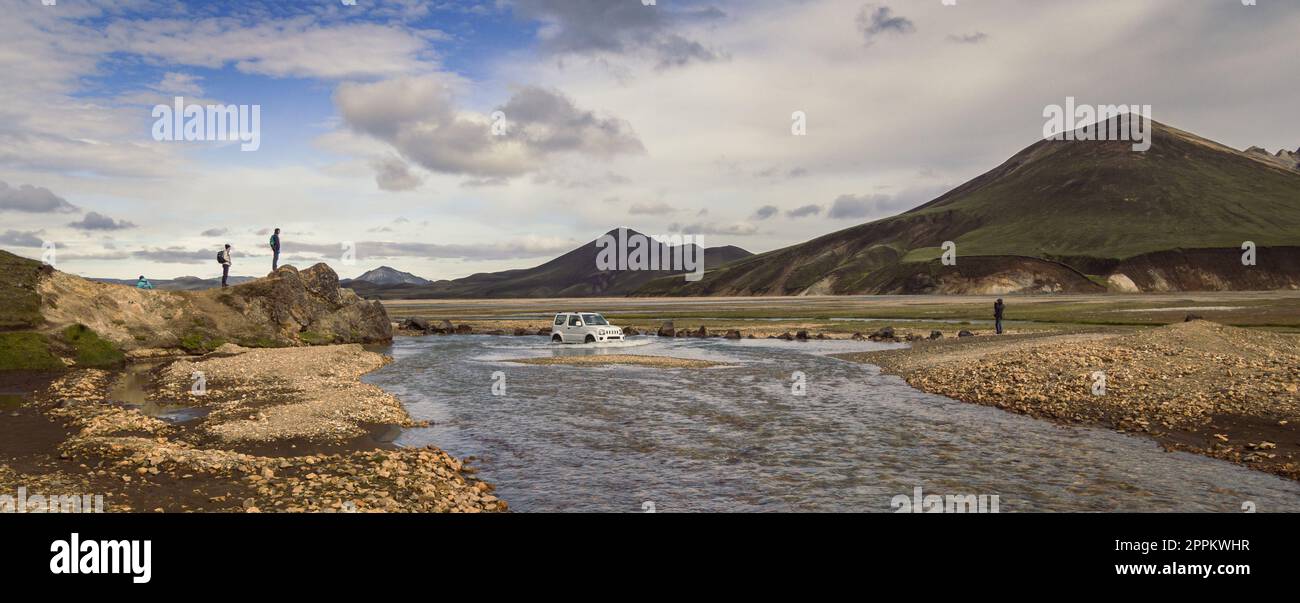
(314, 338)
(201, 342)
(91, 350)
(27, 351)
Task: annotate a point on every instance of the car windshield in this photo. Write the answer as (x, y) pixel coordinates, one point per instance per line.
(594, 319)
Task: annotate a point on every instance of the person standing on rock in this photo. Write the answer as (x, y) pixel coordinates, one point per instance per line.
(998, 307)
(275, 250)
(224, 257)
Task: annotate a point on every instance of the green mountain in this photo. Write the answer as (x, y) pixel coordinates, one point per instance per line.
(1063, 216)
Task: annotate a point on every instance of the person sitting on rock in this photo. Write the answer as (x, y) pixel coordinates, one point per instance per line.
(998, 306)
(143, 283)
(224, 258)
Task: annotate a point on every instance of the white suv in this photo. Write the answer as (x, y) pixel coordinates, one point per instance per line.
(583, 327)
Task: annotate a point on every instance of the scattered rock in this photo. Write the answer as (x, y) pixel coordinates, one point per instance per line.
(733, 334)
(801, 335)
(965, 333)
(883, 334)
(666, 329)
(416, 324)
(936, 334)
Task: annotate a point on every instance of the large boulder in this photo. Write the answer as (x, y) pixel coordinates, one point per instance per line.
(309, 307)
(883, 334)
(666, 329)
(936, 334)
(733, 334)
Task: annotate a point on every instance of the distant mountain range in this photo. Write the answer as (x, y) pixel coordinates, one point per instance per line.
(183, 283)
(574, 274)
(1060, 216)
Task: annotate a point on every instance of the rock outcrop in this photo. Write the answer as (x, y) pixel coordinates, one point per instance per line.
(286, 308)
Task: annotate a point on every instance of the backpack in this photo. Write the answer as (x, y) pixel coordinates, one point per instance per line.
(219, 258)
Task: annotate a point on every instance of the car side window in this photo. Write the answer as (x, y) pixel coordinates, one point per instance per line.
(559, 319)
(573, 320)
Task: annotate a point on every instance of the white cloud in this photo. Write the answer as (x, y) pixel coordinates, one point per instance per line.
(418, 116)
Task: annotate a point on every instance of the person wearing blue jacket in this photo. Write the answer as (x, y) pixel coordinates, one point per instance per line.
(143, 283)
(275, 250)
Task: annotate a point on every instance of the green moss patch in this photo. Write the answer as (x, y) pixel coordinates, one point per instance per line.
(200, 342)
(91, 350)
(27, 351)
(314, 338)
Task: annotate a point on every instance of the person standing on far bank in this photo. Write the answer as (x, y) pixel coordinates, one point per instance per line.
(998, 307)
(224, 258)
(275, 250)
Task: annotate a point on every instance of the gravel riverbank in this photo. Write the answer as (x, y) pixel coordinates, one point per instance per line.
(284, 429)
(1222, 391)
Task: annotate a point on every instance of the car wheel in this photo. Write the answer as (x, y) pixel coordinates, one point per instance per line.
(590, 339)
(557, 339)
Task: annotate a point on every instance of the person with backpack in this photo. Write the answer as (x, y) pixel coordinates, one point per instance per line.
(143, 283)
(275, 250)
(998, 307)
(223, 258)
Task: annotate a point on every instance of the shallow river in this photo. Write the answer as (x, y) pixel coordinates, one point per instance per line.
(737, 438)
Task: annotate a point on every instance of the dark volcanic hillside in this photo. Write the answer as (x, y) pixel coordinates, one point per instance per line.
(1059, 216)
(573, 274)
(385, 275)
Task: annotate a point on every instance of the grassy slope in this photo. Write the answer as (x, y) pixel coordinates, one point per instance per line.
(1054, 199)
(19, 302)
(22, 347)
(1103, 200)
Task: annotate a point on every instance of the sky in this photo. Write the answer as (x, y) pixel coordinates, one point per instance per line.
(448, 138)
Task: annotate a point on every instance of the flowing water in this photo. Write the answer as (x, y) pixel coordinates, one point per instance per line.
(736, 438)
